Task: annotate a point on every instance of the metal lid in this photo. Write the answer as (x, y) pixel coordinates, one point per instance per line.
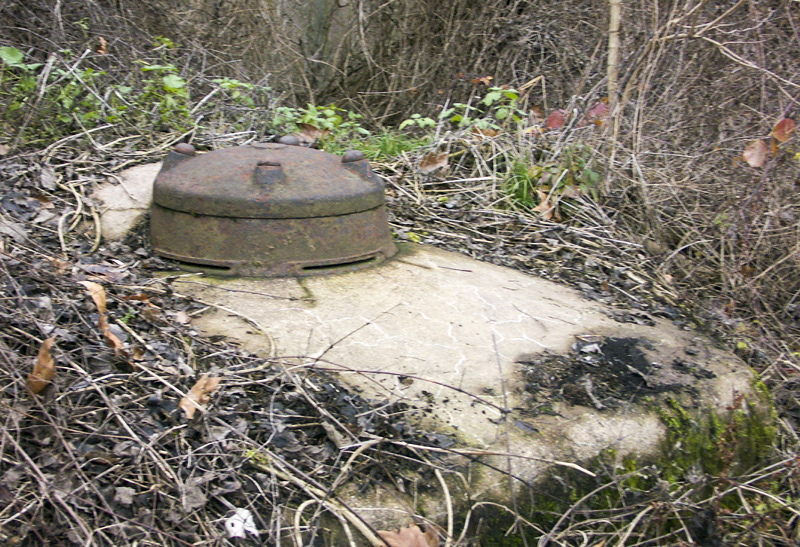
(267, 180)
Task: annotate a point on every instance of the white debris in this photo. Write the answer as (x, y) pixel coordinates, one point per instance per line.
(240, 524)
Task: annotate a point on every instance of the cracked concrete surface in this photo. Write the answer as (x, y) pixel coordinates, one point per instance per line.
(444, 332)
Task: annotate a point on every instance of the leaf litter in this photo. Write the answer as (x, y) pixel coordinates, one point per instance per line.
(143, 431)
(272, 433)
(111, 444)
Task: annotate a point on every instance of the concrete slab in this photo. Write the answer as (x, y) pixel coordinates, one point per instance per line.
(124, 204)
(452, 335)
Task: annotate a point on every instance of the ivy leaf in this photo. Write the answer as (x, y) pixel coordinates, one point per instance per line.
(492, 97)
(173, 82)
(11, 56)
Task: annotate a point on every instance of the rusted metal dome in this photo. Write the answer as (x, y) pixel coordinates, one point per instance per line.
(269, 209)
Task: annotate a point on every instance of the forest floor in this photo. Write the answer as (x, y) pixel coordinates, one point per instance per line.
(111, 449)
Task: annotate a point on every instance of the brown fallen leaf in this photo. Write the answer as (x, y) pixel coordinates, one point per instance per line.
(755, 154)
(141, 297)
(432, 162)
(533, 131)
(98, 294)
(182, 317)
(571, 192)
(784, 129)
(112, 340)
(62, 267)
(537, 115)
(44, 201)
(44, 369)
(199, 395)
(487, 133)
(411, 536)
(102, 46)
(547, 209)
(310, 134)
(151, 315)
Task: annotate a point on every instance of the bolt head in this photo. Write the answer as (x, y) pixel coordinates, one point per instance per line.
(291, 140)
(185, 148)
(352, 156)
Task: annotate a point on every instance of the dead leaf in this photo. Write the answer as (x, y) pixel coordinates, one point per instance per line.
(4, 149)
(193, 495)
(756, 153)
(61, 266)
(141, 297)
(432, 162)
(102, 46)
(112, 340)
(535, 131)
(545, 208)
(199, 395)
(182, 317)
(124, 495)
(487, 133)
(485, 80)
(98, 294)
(537, 114)
(571, 192)
(48, 178)
(151, 314)
(784, 129)
(44, 369)
(598, 114)
(44, 201)
(556, 119)
(311, 132)
(14, 230)
(411, 536)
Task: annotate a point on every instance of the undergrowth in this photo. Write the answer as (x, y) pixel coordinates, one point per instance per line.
(715, 481)
(670, 196)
